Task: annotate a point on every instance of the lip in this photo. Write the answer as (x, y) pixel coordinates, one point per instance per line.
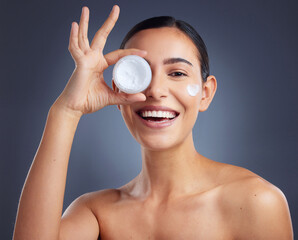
(156, 108)
(157, 125)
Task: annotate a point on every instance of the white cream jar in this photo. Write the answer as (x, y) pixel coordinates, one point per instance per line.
(132, 74)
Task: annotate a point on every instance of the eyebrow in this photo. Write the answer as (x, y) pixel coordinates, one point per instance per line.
(176, 60)
(173, 60)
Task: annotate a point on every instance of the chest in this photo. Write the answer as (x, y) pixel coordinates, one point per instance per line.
(184, 220)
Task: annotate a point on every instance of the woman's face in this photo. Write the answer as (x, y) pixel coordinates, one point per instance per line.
(168, 87)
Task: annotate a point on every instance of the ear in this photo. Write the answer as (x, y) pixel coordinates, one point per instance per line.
(115, 90)
(208, 91)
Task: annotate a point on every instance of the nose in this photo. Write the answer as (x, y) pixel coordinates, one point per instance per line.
(158, 87)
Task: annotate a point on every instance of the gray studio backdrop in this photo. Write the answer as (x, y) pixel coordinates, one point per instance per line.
(252, 121)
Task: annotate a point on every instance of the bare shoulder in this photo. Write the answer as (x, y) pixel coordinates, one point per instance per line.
(104, 195)
(96, 198)
(257, 208)
(100, 201)
(81, 220)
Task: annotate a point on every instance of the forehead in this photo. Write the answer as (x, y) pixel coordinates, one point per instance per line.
(164, 42)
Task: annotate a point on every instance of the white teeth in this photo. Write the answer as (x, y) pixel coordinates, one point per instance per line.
(161, 114)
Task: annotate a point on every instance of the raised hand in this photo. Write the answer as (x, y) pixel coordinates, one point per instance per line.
(86, 90)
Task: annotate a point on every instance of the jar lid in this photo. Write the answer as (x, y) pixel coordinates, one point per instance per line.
(132, 74)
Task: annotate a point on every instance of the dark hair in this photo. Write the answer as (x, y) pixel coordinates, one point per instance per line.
(168, 21)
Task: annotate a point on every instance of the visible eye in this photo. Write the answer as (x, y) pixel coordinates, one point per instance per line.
(177, 74)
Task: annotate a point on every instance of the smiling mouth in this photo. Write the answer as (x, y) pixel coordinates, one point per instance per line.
(158, 116)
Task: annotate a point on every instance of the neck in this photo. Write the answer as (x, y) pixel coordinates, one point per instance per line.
(171, 172)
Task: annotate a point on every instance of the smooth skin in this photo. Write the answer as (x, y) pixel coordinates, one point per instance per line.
(179, 194)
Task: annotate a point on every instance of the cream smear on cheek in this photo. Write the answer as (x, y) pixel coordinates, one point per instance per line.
(193, 89)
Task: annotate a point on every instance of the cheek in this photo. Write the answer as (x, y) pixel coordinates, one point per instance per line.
(126, 115)
(189, 94)
(189, 100)
(192, 89)
(129, 119)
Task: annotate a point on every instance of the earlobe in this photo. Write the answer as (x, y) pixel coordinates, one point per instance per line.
(208, 91)
(115, 90)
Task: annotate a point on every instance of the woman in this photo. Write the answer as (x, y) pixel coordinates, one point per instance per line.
(179, 194)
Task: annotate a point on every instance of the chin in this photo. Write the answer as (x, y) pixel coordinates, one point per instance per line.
(156, 147)
(156, 144)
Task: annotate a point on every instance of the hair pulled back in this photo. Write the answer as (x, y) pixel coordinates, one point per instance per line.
(168, 21)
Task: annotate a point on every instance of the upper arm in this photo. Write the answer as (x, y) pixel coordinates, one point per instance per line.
(78, 221)
(267, 215)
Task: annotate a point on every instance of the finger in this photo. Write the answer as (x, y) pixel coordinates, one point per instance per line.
(125, 98)
(114, 56)
(83, 29)
(73, 46)
(102, 34)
